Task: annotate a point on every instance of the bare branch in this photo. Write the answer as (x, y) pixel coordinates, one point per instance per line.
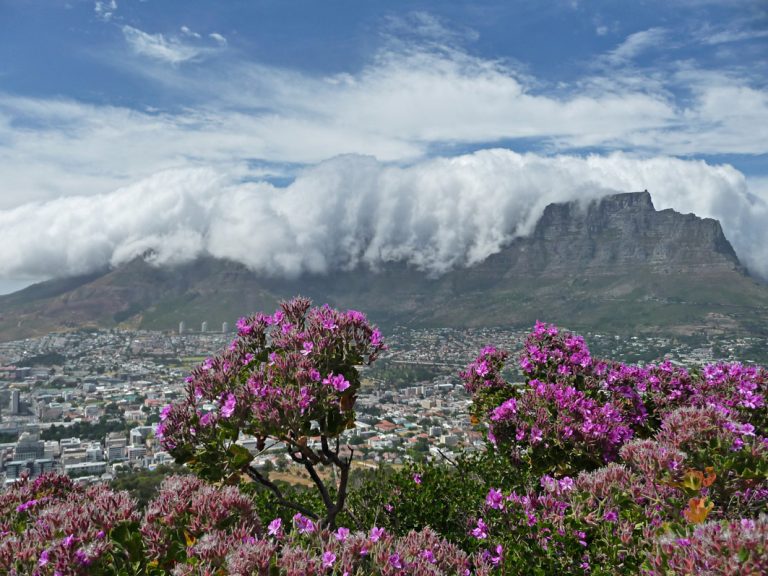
(256, 476)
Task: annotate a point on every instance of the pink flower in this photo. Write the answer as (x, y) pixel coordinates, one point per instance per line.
(341, 534)
(303, 525)
(417, 478)
(481, 530)
(328, 559)
(164, 412)
(376, 534)
(338, 382)
(395, 561)
(494, 499)
(274, 527)
(229, 406)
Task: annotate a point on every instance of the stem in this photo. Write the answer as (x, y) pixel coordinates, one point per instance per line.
(256, 476)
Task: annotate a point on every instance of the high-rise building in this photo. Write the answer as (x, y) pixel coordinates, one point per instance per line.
(225, 327)
(15, 402)
(204, 326)
(182, 327)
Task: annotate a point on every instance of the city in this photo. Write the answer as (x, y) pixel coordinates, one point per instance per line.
(86, 403)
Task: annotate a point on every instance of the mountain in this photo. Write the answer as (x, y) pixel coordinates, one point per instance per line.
(616, 264)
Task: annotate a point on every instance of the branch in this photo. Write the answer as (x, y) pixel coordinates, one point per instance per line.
(453, 462)
(310, 468)
(256, 476)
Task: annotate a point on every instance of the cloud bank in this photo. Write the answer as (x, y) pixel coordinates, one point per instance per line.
(354, 211)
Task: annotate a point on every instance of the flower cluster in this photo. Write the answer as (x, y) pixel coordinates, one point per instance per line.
(576, 409)
(210, 519)
(286, 376)
(733, 548)
(49, 526)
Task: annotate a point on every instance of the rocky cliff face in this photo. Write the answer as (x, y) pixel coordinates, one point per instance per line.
(619, 234)
(616, 263)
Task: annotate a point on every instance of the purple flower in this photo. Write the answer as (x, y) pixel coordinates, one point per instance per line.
(165, 411)
(273, 529)
(308, 346)
(375, 337)
(304, 525)
(395, 561)
(341, 534)
(505, 410)
(243, 327)
(338, 382)
(494, 499)
(428, 556)
(43, 558)
(417, 478)
(328, 559)
(69, 540)
(376, 534)
(82, 557)
(610, 516)
(26, 505)
(229, 406)
(481, 530)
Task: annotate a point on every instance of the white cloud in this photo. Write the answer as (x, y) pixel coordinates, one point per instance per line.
(218, 38)
(158, 47)
(186, 31)
(105, 10)
(437, 214)
(635, 44)
(397, 109)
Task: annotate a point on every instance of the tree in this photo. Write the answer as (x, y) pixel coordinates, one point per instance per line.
(290, 377)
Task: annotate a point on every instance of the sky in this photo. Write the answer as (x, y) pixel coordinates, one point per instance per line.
(309, 136)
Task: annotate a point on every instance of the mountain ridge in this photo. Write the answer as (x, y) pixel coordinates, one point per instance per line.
(614, 264)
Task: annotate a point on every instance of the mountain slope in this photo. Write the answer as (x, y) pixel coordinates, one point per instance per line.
(615, 264)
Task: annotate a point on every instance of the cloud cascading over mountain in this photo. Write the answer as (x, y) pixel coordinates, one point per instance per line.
(352, 210)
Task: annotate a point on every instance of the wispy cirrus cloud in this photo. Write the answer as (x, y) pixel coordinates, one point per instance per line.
(634, 45)
(167, 49)
(105, 9)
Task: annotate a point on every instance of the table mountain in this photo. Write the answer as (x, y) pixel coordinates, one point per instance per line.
(615, 264)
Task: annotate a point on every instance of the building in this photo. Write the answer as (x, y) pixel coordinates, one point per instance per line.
(29, 447)
(114, 446)
(15, 402)
(36, 468)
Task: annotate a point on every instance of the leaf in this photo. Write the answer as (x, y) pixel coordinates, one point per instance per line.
(698, 510)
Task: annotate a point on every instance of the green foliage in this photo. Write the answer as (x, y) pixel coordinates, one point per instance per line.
(85, 430)
(143, 484)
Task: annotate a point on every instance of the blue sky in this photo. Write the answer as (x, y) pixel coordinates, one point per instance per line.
(97, 96)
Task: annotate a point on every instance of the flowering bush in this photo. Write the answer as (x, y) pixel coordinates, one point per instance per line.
(53, 527)
(49, 526)
(289, 377)
(188, 515)
(628, 458)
